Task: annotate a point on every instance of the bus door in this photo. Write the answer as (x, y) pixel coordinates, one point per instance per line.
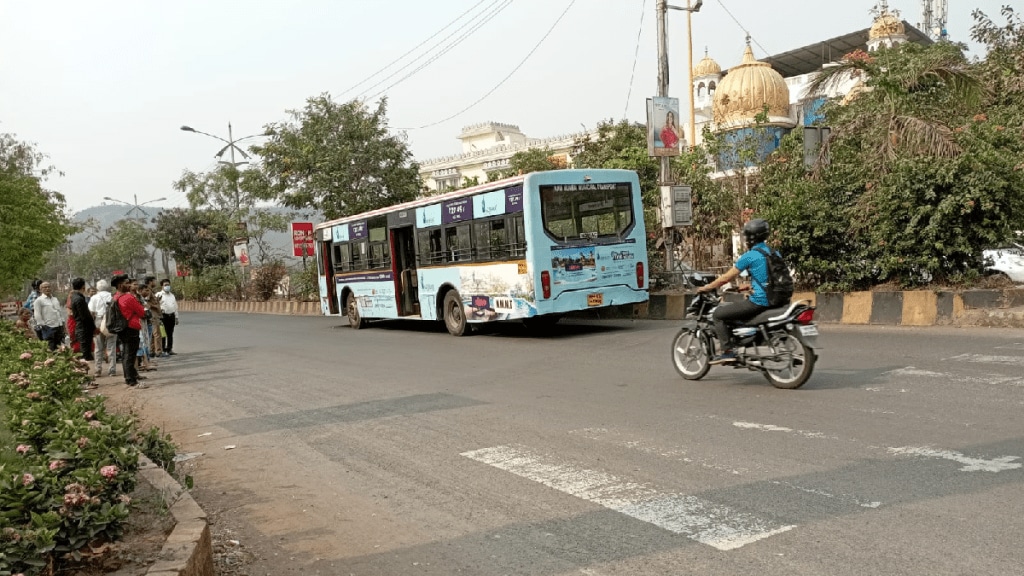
(325, 270)
(406, 282)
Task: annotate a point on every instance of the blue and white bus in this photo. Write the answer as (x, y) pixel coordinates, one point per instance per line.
(528, 248)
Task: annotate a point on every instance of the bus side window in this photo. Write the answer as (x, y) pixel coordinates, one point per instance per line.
(458, 247)
(481, 233)
(517, 237)
(344, 257)
(339, 263)
(359, 255)
(436, 250)
(491, 240)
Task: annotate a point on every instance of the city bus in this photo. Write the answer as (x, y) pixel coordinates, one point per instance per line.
(530, 248)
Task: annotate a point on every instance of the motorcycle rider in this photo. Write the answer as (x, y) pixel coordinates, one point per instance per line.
(756, 265)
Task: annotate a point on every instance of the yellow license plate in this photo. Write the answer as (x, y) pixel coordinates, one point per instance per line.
(595, 299)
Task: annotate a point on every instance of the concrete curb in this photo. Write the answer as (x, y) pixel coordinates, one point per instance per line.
(909, 308)
(188, 550)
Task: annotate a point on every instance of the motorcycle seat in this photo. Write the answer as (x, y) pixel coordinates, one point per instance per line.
(765, 316)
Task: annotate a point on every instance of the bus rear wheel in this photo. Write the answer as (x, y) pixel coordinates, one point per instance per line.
(454, 314)
(352, 311)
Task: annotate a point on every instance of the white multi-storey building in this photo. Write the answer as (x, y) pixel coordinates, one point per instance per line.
(487, 149)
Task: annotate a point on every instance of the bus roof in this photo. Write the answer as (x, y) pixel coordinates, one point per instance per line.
(426, 201)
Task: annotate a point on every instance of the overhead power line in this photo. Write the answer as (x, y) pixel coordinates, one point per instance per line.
(488, 14)
(742, 27)
(413, 49)
(503, 80)
(636, 55)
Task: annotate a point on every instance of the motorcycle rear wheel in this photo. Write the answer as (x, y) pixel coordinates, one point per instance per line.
(691, 354)
(800, 362)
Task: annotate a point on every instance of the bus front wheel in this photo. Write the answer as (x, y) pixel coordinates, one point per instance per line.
(454, 314)
(352, 311)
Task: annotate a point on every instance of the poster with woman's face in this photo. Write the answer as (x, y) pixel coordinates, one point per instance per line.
(664, 134)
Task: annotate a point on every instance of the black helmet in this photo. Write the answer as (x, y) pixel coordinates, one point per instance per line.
(756, 231)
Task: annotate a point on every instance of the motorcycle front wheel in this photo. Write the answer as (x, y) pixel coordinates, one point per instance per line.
(691, 354)
(792, 366)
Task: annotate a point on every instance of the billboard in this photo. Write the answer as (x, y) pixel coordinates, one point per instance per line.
(242, 253)
(663, 132)
(302, 238)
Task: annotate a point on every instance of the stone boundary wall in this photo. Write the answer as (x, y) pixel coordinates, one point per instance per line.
(909, 308)
(188, 550)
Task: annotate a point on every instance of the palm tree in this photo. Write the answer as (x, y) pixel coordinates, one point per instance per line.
(902, 100)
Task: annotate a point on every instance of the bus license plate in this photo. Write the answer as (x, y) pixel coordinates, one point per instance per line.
(595, 299)
(810, 330)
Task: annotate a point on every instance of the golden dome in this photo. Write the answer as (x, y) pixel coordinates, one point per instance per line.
(886, 25)
(746, 90)
(706, 67)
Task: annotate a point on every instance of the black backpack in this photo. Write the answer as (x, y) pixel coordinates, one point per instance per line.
(116, 322)
(780, 282)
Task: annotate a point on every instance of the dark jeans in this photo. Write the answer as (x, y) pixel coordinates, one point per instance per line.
(733, 312)
(56, 338)
(129, 350)
(168, 320)
(83, 335)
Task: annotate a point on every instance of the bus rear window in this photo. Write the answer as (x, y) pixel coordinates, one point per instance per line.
(574, 212)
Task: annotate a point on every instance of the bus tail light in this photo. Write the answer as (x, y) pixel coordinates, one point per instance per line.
(545, 283)
(639, 274)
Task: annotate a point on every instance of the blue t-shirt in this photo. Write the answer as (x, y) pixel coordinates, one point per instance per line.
(756, 264)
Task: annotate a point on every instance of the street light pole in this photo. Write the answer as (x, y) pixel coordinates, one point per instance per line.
(135, 206)
(691, 7)
(230, 145)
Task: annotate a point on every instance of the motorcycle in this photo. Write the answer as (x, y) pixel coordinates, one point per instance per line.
(780, 342)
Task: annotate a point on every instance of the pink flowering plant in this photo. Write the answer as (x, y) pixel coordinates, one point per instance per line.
(67, 465)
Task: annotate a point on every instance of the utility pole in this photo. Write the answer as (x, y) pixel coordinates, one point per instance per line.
(665, 173)
(689, 69)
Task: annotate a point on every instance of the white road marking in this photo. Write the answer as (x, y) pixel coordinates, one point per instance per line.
(774, 428)
(912, 371)
(699, 520)
(677, 454)
(987, 359)
(820, 492)
(999, 464)
(1014, 346)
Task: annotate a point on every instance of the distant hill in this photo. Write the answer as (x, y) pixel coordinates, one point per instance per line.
(109, 214)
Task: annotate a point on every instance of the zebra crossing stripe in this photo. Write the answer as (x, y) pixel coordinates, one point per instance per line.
(705, 522)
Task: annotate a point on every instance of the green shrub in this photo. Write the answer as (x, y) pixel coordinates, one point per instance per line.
(74, 463)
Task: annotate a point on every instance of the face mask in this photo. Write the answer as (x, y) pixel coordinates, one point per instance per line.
(167, 288)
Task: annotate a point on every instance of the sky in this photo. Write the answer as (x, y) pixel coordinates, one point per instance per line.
(103, 87)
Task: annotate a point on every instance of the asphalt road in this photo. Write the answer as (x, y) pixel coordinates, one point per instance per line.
(401, 450)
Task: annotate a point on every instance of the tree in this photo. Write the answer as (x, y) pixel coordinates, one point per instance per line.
(621, 145)
(716, 209)
(338, 158)
(529, 160)
(919, 179)
(219, 189)
(234, 194)
(32, 219)
(908, 95)
(197, 239)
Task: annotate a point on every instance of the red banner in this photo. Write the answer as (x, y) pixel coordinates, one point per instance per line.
(302, 238)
